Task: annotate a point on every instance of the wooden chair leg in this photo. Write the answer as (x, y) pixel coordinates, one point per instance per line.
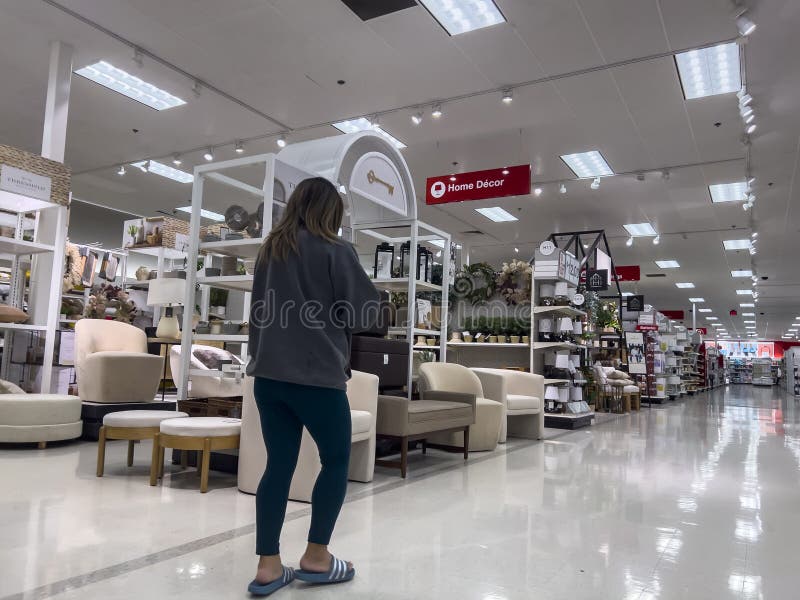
(41, 445)
(403, 457)
(155, 461)
(161, 451)
(130, 453)
(205, 465)
(466, 443)
(101, 452)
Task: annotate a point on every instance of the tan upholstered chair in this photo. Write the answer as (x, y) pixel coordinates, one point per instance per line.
(112, 364)
(435, 377)
(362, 394)
(204, 386)
(618, 392)
(522, 397)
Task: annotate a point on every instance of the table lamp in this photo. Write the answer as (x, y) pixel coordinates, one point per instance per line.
(551, 395)
(167, 292)
(562, 360)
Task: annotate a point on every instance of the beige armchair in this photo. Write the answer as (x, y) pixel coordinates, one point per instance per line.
(112, 364)
(205, 386)
(362, 393)
(522, 397)
(489, 415)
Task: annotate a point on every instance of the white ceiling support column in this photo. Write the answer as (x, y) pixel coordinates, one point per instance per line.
(54, 137)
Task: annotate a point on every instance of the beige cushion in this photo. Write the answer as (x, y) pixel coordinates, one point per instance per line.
(40, 433)
(362, 421)
(483, 434)
(449, 377)
(631, 389)
(140, 418)
(420, 411)
(617, 375)
(519, 402)
(6, 387)
(39, 409)
(202, 426)
(9, 314)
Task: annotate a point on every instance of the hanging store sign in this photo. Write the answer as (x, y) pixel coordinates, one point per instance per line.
(635, 303)
(675, 315)
(479, 185)
(25, 183)
(627, 273)
(596, 280)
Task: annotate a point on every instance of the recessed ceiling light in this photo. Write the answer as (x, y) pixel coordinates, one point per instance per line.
(537, 191)
(461, 16)
(749, 314)
(744, 292)
(126, 84)
(363, 124)
(640, 229)
(281, 141)
(712, 318)
(728, 192)
(588, 164)
(742, 273)
(206, 214)
(436, 112)
(736, 244)
(710, 71)
(697, 300)
(704, 310)
(684, 285)
(667, 264)
(792, 330)
(750, 321)
(496, 214)
(165, 171)
(747, 305)
(238, 147)
(508, 96)
(749, 326)
(716, 324)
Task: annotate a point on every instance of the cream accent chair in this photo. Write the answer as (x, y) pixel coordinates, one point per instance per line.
(112, 364)
(620, 392)
(489, 414)
(204, 386)
(39, 418)
(362, 393)
(521, 395)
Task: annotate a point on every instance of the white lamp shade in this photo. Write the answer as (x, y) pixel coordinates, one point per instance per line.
(166, 291)
(547, 290)
(545, 325)
(561, 288)
(576, 394)
(575, 360)
(551, 393)
(577, 328)
(550, 359)
(563, 394)
(571, 291)
(562, 360)
(565, 325)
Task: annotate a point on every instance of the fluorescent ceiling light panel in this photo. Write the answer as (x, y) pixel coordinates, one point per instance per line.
(587, 164)
(747, 305)
(496, 214)
(684, 286)
(158, 168)
(206, 214)
(716, 324)
(750, 322)
(728, 192)
(640, 229)
(126, 84)
(704, 310)
(744, 292)
(742, 273)
(667, 264)
(710, 71)
(461, 16)
(697, 300)
(749, 326)
(736, 244)
(748, 314)
(362, 124)
(712, 319)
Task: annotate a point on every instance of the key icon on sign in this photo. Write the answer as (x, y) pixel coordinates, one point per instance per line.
(372, 178)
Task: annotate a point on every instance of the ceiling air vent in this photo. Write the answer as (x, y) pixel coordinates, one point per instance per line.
(370, 9)
(655, 275)
(473, 232)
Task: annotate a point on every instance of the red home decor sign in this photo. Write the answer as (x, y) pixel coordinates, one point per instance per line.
(479, 185)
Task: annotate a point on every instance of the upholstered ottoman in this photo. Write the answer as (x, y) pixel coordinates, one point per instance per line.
(483, 435)
(39, 418)
(202, 434)
(131, 425)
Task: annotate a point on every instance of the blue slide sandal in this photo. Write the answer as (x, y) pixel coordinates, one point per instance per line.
(338, 573)
(258, 589)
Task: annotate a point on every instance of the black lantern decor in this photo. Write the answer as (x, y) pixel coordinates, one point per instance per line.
(424, 261)
(405, 249)
(384, 261)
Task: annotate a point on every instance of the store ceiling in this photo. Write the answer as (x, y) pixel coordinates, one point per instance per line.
(282, 60)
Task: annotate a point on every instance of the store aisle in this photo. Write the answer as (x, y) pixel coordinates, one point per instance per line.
(696, 499)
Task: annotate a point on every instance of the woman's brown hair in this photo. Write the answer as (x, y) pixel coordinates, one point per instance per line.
(316, 205)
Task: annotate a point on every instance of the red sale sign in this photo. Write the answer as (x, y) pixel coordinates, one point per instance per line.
(479, 185)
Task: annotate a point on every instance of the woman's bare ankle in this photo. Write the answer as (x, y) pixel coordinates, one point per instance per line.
(269, 569)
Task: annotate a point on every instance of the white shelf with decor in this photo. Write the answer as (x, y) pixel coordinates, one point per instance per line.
(33, 185)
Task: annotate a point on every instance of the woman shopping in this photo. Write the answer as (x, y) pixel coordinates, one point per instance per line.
(310, 294)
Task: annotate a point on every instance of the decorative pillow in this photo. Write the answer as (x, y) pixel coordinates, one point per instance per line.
(212, 357)
(6, 387)
(9, 314)
(614, 374)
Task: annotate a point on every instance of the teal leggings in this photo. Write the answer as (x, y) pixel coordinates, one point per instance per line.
(285, 408)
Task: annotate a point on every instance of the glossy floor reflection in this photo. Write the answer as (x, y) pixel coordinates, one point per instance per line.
(697, 499)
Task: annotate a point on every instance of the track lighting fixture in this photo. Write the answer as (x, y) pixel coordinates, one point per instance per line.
(629, 243)
(746, 206)
(745, 25)
(281, 141)
(744, 98)
(754, 234)
(374, 121)
(209, 155)
(121, 171)
(562, 189)
(176, 160)
(595, 184)
(238, 147)
(508, 96)
(665, 174)
(657, 240)
(537, 191)
(138, 59)
(516, 250)
(750, 128)
(416, 118)
(437, 111)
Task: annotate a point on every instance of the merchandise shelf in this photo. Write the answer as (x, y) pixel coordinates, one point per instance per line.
(244, 248)
(229, 282)
(400, 284)
(213, 337)
(22, 327)
(554, 346)
(487, 345)
(21, 247)
(401, 331)
(558, 311)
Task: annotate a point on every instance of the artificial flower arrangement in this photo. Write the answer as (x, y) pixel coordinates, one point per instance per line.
(110, 296)
(73, 268)
(514, 282)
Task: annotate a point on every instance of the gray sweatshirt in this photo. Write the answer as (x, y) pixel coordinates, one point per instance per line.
(304, 311)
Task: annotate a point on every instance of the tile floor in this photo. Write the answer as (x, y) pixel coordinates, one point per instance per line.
(698, 499)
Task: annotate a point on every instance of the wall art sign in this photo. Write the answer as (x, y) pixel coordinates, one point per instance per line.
(22, 182)
(479, 185)
(596, 280)
(635, 303)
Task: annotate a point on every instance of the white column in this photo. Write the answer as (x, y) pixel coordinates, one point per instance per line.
(54, 137)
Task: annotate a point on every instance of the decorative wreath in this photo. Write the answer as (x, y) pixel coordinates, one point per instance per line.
(514, 282)
(73, 268)
(475, 282)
